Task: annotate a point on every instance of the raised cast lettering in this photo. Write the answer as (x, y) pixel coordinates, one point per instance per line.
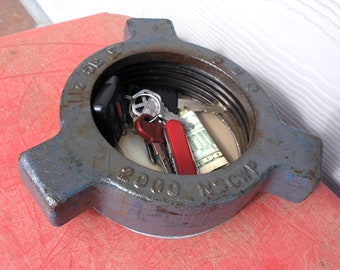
(91, 66)
(125, 174)
(157, 185)
(244, 175)
(234, 181)
(141, 181)
(78, 86)
(205, 189)
(251, 165)
(221, 185)
(173, 189)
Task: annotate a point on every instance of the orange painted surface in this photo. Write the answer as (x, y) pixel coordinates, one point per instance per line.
(269, 233)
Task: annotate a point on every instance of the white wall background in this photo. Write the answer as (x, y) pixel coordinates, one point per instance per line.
(291, 47)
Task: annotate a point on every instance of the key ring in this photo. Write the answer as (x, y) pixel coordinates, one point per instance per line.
(137, 108)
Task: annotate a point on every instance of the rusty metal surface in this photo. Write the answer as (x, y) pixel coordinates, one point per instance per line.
(78, 168)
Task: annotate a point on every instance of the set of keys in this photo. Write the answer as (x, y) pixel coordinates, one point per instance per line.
(163, 133)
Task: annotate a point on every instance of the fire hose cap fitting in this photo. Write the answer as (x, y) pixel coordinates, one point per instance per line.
(81, 167)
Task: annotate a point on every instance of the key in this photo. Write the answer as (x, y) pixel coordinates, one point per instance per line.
(148, 102)
(153, 134)
(145, 102)
(166, 115)
(151, 154)
(197, 106)
(167, 94)
(179, 148)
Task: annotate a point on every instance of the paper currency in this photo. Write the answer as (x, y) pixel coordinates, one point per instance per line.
(207, 155)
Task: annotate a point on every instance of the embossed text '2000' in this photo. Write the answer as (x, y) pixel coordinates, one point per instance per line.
(155, 185)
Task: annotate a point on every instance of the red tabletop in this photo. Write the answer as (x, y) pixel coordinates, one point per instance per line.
(269, 233)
